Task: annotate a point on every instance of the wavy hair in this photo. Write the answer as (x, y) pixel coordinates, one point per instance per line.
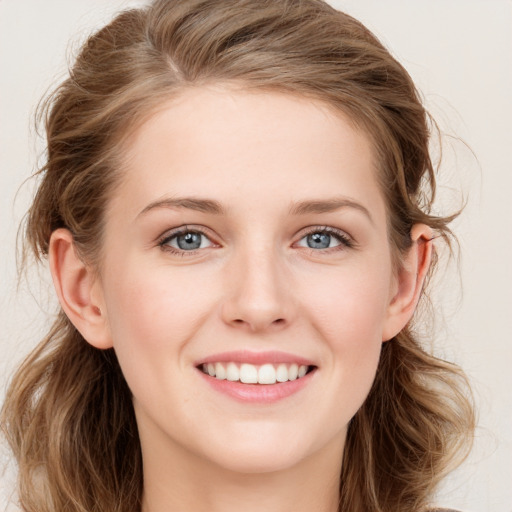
(68, 414)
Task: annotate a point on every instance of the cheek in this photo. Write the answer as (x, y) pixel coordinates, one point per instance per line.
(152, 318)
(349, 312)
(350, 304)
(346, 311)
(151, 307)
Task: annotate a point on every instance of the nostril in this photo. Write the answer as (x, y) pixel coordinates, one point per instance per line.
(259, 326)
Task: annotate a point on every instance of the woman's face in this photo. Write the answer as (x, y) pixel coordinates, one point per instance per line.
(247, 239)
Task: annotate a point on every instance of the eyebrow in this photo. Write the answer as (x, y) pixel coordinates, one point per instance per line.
(190, 203)
(300, 208)
(327, 206)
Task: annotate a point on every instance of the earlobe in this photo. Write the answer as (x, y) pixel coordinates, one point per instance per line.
(410, 280)
(78, 290)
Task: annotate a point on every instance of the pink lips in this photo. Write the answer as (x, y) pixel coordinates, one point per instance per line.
(256, 358)
(257, 393)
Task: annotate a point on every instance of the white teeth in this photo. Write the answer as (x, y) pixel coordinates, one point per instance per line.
(251, 374)
(282, 373)
(248, 374)
(267, 374)
(232, 372)
(293, 372)
(220, 371)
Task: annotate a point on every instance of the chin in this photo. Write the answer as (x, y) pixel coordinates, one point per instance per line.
(261, 451)
(258, 461)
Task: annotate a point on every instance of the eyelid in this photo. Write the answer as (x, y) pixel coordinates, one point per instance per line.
(169, 234)
(346, 241)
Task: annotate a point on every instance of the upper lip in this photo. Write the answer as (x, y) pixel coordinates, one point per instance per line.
(255, 358)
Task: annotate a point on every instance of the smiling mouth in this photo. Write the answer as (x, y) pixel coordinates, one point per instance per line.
(255, 374)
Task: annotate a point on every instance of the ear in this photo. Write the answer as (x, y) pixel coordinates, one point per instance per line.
(409, 281)
(78, 290)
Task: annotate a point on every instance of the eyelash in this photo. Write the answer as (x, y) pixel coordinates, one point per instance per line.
(345, 241)
(167, 237)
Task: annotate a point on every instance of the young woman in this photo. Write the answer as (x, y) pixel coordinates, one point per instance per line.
(236, 209)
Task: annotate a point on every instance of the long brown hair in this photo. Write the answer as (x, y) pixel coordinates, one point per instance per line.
(68, 415)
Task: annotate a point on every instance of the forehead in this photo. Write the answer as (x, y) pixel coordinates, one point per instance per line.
(234, 142)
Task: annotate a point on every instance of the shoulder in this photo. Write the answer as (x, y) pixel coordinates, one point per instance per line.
(443, 510)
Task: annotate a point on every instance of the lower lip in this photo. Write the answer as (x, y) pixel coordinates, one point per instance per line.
(258, 393)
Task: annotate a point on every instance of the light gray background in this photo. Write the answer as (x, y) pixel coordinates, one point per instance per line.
(459, 52)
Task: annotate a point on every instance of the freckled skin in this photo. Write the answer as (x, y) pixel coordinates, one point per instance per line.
(254, 284)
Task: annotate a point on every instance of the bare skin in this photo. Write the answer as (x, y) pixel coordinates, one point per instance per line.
(280, 197)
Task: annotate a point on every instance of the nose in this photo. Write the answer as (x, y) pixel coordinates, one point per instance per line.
(258, 296)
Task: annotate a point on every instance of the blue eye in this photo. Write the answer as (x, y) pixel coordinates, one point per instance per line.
(324, 239)
(186, 241)
(320, 241)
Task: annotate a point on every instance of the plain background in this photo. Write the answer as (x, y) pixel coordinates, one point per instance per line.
(459, 53)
